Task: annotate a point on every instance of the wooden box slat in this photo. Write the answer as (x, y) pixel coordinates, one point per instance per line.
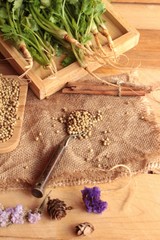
(43, 83)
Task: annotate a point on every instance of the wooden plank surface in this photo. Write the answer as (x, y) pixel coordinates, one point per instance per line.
(147, 52)
(134, 211)
(141, 16)
(137, 1)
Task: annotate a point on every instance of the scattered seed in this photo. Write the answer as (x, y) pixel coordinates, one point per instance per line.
(105, 131)
(107, 156)
(142, 117)
(61, 119)
(86, 159)
(37, 139)
(104, 143)
(25, 167)
(64, 109)
(91, 150)
(99, 165)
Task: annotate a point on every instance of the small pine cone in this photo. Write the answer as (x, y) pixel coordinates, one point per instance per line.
(57, 208)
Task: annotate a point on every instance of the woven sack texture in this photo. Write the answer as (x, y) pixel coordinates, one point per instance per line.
(127, 122)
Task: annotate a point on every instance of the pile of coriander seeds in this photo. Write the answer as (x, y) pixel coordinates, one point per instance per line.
(9, 100)
(80, 123)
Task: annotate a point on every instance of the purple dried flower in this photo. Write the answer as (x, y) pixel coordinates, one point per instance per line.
(4, 218)
(9, 210)
(92, 201)
(19, 209)
(17, 215)
(33, 217)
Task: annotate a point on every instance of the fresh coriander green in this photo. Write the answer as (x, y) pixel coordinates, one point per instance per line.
(42, 29)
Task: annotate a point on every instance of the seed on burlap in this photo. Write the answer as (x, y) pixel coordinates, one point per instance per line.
(64, 109)
(9, 100)
(91, 150)
(106, 141)
(142, 117)
(99, 165)
(61, 119)
(80, 123)
(57, 131)
(37, 139)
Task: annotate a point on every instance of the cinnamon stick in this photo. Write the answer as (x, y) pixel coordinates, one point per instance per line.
(125, 89)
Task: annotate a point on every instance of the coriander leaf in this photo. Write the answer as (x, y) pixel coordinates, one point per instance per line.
(58, 50)
(17, 4)
(68, 60)
(6, 28)
(72, 1)
(46, 3)
(3, 13)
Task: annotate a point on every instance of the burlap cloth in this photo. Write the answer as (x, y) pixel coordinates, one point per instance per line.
(127, 122)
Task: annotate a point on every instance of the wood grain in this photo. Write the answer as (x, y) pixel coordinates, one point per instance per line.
(134, 211)
(147, 52)
(141, 16)
(132, 214)
(137, 1)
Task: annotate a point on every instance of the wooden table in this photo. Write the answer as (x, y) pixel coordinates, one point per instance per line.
(133, 211)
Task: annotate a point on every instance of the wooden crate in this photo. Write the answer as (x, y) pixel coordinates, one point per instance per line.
(13, 142)
(43, 83)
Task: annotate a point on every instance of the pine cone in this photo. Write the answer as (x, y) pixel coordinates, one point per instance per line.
(57, 208)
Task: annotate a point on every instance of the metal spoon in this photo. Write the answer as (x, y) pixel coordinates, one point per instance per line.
(38, 188)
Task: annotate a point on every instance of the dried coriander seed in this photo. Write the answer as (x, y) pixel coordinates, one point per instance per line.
(80, 123)
(37, 139)
(64, 109)
(9, 101)
(91, 150)
(57, 131)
